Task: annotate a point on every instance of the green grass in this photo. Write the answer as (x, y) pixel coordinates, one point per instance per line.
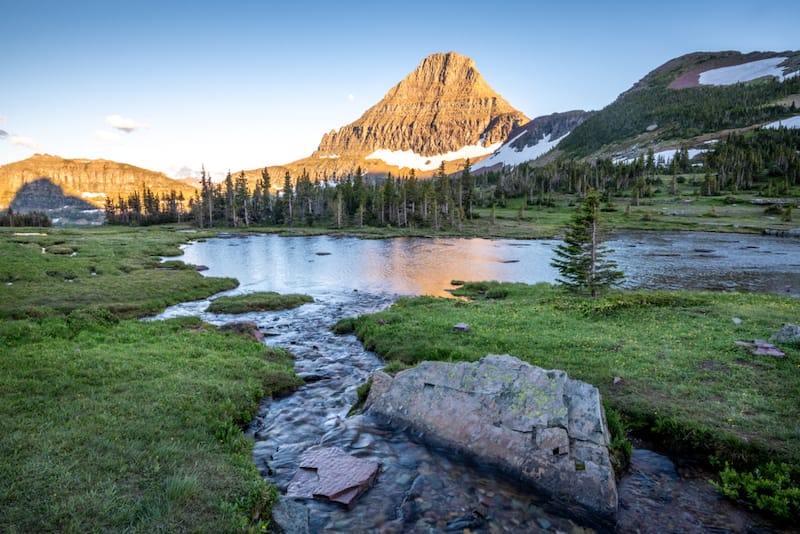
(116, 425)
(117, 269)
(131, 426)
(252, 302)
(682, 377)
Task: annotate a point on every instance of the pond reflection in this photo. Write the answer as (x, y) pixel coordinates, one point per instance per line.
(404, 266)
(420, 266)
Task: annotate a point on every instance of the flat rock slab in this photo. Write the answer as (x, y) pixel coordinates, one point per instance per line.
(330, 474)
(537, 425)
(762, 348)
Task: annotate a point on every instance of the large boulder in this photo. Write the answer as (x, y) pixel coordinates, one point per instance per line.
(537, 425)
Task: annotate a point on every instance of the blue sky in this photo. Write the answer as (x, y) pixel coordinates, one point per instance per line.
(236, 85)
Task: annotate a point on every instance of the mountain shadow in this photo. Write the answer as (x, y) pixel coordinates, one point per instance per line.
(43, 195)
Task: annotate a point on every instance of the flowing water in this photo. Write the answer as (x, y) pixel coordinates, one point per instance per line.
(424, 490)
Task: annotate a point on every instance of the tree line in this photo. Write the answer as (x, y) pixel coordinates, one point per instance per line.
(764, 160)
(352, 200)
(33, 218)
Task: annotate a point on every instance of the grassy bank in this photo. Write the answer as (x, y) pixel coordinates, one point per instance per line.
(116, 425)
(666, 360)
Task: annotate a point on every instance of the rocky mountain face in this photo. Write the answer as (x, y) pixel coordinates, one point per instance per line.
(443, 106)
(90, 181)
(533, 140)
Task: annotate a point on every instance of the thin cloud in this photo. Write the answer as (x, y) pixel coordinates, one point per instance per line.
(124, 124)
(20, 140)
(105, 135)
(3, 119)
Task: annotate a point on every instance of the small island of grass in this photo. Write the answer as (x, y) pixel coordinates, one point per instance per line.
(252, 302)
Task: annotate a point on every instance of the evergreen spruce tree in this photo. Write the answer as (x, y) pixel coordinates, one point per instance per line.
(580, 259)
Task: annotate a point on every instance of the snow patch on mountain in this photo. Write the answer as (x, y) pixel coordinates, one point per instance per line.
(745, 72)
(791, 122)
(508, 155)
(664, 157)
(412, 160)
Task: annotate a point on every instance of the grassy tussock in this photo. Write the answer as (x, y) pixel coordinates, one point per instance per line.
(252, 302)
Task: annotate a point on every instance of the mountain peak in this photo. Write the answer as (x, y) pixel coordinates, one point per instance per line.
(443, 109)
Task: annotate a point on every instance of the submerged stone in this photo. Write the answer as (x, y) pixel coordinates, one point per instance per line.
(537, 425)
(290, 517)
(330, 474)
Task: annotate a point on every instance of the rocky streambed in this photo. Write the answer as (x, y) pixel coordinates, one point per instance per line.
(421, 488)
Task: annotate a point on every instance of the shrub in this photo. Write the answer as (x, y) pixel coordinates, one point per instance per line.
(621, 448)
(768, 488)
(497, 293)
(94, 318)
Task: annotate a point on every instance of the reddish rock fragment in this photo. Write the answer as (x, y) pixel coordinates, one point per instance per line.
(330, 474)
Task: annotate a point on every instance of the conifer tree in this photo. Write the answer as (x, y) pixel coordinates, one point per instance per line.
(580, 259)
(288, 198)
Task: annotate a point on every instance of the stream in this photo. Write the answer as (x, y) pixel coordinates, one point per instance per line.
(420, 489)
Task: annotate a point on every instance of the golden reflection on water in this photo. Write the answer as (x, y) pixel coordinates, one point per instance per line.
(428, 267)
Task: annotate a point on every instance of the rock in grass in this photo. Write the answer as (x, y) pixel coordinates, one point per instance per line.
(537, 425)
(461, 327)
(789, 334)
(760, 347)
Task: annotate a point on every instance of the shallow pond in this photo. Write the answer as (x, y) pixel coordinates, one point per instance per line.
(415, 266)
(424, 490)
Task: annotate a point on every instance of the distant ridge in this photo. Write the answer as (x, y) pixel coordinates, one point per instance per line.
(90, 180)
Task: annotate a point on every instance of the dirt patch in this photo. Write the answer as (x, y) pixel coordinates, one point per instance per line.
(747, 363)
(712, 365)
(688, 79)
(692, 77)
